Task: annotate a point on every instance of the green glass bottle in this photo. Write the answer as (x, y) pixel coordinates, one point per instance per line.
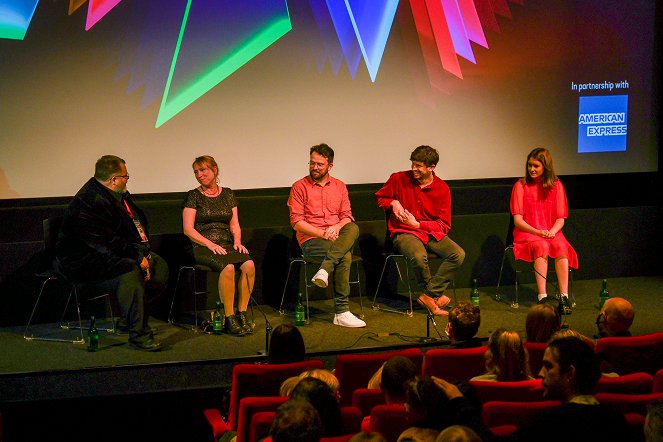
(217, 320)
(474, 293)
(92, 336)
(603, 294)
(300, 317)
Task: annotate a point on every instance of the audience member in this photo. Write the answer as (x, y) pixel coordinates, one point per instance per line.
(437, 404)
(286, 345)
(615, 318)
(325, 376)
(458, 433)
(296, 421)
(365, 436)
(416, 434)
(570, 373)
(654, 422)
(506, 358)
(320, 395)
(542, 321)
(463, 325)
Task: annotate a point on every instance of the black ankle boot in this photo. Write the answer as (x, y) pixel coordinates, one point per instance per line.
(244, 322)
(233, 327)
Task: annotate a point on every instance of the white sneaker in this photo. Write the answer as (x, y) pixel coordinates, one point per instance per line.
(347, 319)
(320, 278)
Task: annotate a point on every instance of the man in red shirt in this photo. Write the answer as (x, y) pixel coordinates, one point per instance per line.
(321, 215)
(419, 206)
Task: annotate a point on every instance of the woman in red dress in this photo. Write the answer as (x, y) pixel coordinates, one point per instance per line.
(539, 208)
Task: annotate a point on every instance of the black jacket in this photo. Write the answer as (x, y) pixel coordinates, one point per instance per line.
(98, 239)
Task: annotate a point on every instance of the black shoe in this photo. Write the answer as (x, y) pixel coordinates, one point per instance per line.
(121, 327)
(233, 327)
(149, 344)
(244, 323)
(564, 307)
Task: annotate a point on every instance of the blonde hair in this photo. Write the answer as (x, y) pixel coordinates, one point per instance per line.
(507, 357)
(325, 376)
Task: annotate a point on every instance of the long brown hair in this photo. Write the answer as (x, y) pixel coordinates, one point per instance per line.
(506, 356)
(545, 158)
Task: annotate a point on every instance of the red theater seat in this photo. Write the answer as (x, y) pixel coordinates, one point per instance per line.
(367, 398)
(634, 383)
(355, 370)
(503, 417)
(390, 421)
(455, 364)
(520, 391)
(634, 354)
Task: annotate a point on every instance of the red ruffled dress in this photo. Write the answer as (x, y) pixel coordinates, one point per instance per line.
(540, 209)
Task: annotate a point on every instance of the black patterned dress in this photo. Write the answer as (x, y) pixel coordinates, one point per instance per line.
(213, 215)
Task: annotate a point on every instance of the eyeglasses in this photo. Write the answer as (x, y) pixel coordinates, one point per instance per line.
(600, 319)
(126, 177)
(313, 165)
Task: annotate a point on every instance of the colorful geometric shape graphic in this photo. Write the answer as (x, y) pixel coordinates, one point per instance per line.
(74, 5)
(232, 33)
(345, 32)
(97, 9)
(371, 21)
(15, 17)
(331, 49)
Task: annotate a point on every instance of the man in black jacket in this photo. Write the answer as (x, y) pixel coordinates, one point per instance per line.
(104, 241)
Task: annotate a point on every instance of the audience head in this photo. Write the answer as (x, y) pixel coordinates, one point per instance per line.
(654, 422)
(325, 376)
(464, 321)
(458, 433)
(397, 372)
(544, 157)
(542, 321)
(426, 155)
(364, 436)
(506, 356)
(418, 434)
(296, 421)
(570, 368)
(427, 402)
(320, 395)
(566, 332)
(286, 345)
(615, 318)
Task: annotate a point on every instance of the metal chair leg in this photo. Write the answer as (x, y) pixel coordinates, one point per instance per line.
(375, 305)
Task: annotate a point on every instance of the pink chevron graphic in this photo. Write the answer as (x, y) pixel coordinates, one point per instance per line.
(97, 9)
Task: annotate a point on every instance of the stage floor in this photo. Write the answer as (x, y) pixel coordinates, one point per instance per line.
(39, 370)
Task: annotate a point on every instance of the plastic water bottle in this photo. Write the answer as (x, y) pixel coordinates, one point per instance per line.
(217, 320)
(92, 336)
(474, 293)
(300, 317)
(603, 294)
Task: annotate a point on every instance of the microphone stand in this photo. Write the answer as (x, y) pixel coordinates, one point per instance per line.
(268, 326)
(430, 319)
(562, 310)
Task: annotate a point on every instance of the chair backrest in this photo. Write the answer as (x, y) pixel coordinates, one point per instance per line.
(633, 354)
(390, 421)
(51, 229)
(629, 403)
(249, 406)
(519, 391)
(455, 364)
(355, 370)
(634, 383)
(261, 380)
(658, 382)
(499, 413)
(535, 351)
(367, 398)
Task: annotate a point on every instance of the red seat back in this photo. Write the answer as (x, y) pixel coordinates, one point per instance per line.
(249, 406)
(535, 351)
(658, 382)
(355, 370)
(261, 380)
(390, 421)
(633, 354)
(499, 413)
(455, 364)
(634, 383)
(629, 403)
(520, 391)
(367, 398)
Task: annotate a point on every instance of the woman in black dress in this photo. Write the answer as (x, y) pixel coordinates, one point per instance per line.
(210, 220)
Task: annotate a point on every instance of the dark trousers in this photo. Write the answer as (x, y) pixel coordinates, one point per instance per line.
(136, 297)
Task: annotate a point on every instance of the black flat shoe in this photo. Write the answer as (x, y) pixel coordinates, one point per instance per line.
(233, 327)
(149, 344)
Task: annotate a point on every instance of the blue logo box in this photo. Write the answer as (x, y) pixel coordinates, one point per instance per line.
(602, 123)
